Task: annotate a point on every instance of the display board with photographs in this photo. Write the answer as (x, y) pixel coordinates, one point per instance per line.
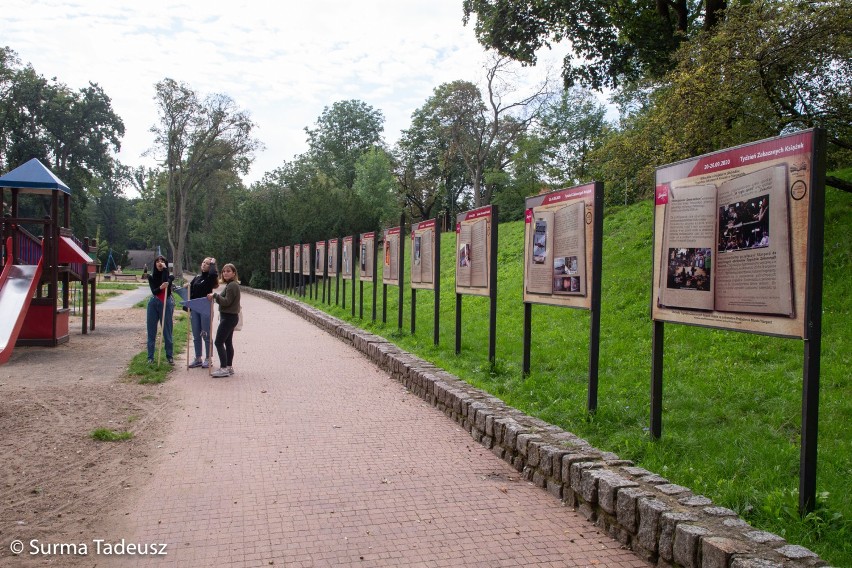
(367, 244)
(473, 252)
(346, 258)
(332, 257)
(390, 266)
(319, 257)
(731, 237)
(287, 265)
(297, 259)
(280, 259)
(423, 260)
(306, 259)
(273, 264)
(558, 245)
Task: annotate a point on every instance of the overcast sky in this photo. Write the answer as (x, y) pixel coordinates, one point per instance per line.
(282, 61)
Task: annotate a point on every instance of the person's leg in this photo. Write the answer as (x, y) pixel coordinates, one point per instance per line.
(167, 328)
(152, 320)
(220, 341)
(224, 344)
(204, 318)
(195, 318)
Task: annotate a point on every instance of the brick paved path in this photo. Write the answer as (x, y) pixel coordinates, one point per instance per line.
(311, 456)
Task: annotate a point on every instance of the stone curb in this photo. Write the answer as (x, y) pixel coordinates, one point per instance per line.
(661, 522)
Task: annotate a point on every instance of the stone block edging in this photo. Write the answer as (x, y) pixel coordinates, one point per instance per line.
(663, 523)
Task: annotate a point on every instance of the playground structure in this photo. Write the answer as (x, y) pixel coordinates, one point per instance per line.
(33, 267)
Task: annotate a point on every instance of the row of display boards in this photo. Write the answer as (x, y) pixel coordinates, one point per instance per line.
(738, 245)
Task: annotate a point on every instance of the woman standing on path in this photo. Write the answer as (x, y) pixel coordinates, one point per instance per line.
(200, 286)
(160, 282)
(229, 316)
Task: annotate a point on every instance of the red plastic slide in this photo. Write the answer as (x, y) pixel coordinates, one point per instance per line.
(17, 285)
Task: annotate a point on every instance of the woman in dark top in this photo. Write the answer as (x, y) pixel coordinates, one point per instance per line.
(199, 287)
(160, 282)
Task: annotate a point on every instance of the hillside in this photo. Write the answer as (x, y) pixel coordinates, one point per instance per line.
(732, 401)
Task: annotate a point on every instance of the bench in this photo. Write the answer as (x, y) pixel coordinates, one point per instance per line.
(125, 277)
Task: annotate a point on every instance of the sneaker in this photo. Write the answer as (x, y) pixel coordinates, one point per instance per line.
(230, 370)
(195, 364)
(221, 372)
(150, 361)
(205, 364)
(171, 361)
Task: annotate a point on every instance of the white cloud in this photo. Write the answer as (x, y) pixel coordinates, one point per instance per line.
(281, 61)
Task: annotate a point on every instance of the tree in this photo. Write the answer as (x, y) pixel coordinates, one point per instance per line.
(429, 171)
(377, 189)
(342, 134)
(484, 134)
(571, 128)
(74, 133)
(196, 139)
(613, 41)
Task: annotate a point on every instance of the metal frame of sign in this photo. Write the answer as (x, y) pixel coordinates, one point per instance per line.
(297, 269)
(288, 268)
(320, 267)
(801, 158)
(416, 231)
(591, 195)
(463, 260)
(399, 233)
(273, 263)
(369, 274)
(279, 283)
(307, 262)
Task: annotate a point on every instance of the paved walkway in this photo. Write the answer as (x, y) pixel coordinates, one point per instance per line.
(311, 456)
(126, 299)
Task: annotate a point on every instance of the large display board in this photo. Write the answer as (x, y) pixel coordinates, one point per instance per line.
(332, 257)
(390, 266)
(473, 252)
(319, 256)
(288, 267)
(297, 259)
(423, 238)
(306, 259)
(365, 256)
(346, 257)
(558, 246)
(280, 259)
(272, 262)
(731, 237)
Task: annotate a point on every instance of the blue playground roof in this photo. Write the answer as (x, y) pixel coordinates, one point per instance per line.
(33, 175)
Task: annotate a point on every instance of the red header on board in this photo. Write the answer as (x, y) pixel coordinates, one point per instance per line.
(566, 194)
(661, 195)
(393, 231)
(425, 224)
(782, 147)
(477, 213)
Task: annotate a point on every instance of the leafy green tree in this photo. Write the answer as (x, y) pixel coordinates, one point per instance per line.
(571, 128)
(196, 140)
(343, 132)
(74, 133)
(613, 41)
(376, 188)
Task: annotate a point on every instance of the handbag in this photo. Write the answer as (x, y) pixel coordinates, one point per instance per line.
(239, 326)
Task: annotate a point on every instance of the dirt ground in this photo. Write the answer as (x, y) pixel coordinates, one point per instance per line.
(56, 483)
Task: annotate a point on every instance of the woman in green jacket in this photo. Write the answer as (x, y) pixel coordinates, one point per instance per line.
(229, 316)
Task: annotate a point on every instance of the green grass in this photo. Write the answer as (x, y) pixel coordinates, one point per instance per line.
(107, 435)
(731, 401)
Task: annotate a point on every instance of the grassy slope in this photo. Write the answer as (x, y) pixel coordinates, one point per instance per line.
(732, 401)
